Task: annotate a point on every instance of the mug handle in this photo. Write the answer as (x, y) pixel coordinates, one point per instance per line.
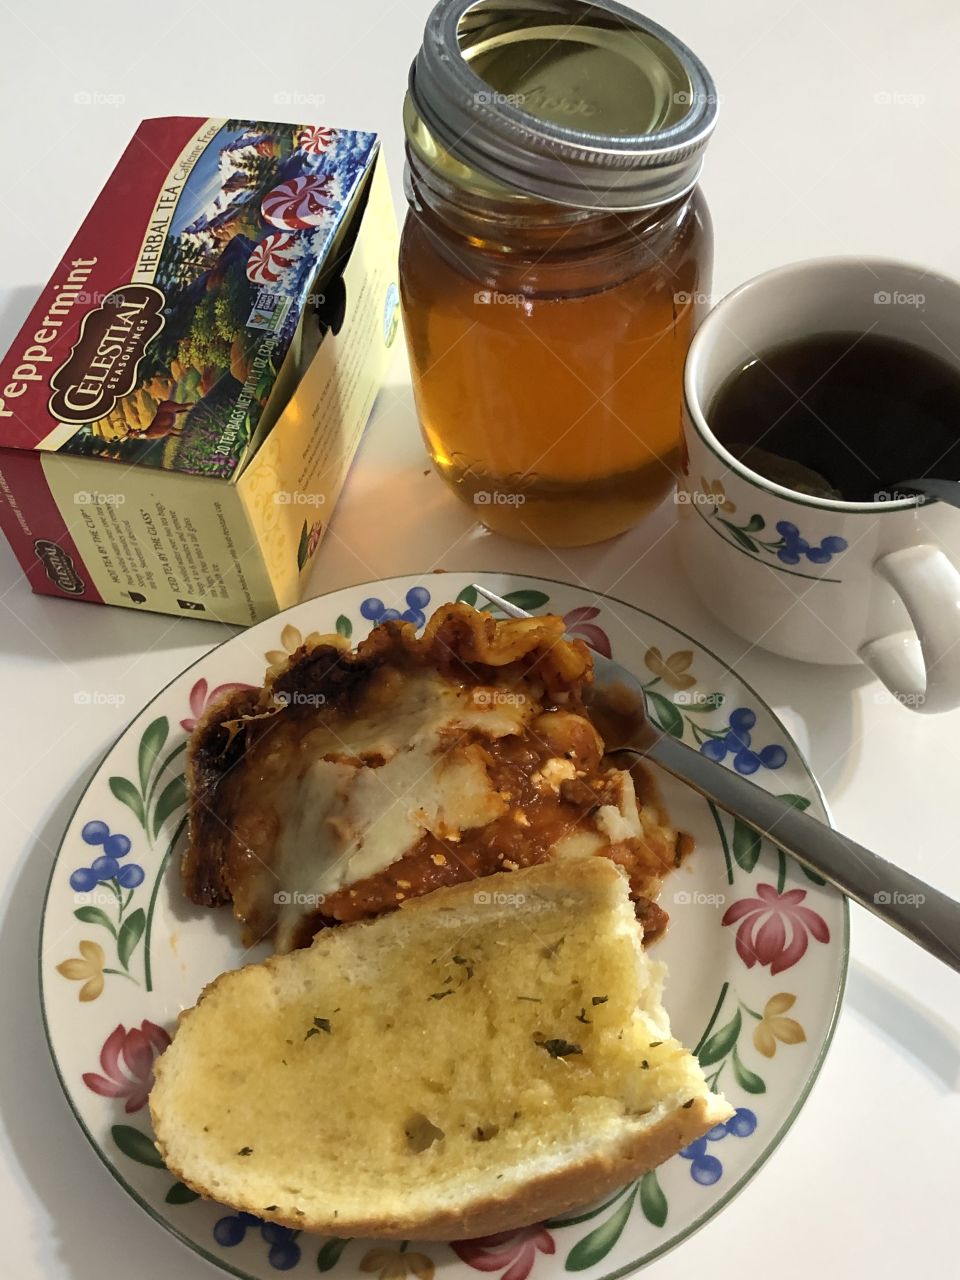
(921, 668)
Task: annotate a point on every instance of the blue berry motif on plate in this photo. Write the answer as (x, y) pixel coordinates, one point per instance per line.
(103, 891)
(284, 1252)
(107, 866)
(417, 599)
(706, 1168)
(737, 740)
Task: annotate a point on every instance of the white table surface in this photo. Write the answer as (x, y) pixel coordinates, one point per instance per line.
(805, 161)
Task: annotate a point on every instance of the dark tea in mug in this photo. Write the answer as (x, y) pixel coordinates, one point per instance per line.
(842, 415)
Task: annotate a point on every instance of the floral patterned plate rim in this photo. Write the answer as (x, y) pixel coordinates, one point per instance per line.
(756, 951)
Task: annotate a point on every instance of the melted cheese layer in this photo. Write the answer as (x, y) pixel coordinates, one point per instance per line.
(351, 794)
(345, 822)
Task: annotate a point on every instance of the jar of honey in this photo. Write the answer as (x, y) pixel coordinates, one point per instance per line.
(553, 258)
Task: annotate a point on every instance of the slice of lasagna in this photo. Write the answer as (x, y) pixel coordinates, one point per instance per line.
(356, 779)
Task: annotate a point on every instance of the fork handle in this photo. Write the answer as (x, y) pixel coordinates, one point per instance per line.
(923, 913)
(919, 911)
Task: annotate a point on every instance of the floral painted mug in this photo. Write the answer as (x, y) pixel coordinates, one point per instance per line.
(814, 578)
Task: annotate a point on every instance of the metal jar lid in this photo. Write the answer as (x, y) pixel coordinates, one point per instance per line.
(585, 104)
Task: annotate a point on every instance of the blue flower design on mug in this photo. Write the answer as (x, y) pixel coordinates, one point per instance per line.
(788, 548)
(794, 546)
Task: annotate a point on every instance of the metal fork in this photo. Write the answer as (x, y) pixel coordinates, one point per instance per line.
(924, 914)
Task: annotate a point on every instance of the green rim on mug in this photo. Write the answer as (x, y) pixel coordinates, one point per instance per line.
(697, 416)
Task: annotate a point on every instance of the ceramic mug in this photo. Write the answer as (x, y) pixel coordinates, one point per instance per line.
(815, 578)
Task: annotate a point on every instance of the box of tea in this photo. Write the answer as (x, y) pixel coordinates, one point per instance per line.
(179, 411)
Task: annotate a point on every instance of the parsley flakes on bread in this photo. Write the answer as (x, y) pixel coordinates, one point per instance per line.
(487, 1056)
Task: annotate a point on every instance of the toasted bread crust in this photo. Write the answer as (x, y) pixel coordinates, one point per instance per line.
(479, 1211)
(546, 1196)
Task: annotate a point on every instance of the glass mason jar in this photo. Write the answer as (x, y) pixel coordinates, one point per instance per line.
(554, 258)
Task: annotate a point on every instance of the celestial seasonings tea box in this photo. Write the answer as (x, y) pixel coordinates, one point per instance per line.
(179, 411)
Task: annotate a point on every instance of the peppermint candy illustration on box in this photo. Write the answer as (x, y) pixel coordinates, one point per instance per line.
(271, 258)
(315, 140)
(301, 203)
(252, 223)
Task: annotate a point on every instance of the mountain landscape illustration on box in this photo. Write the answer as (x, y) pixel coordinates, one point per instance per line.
(253, 224)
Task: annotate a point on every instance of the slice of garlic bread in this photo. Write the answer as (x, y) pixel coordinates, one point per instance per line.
(487, 1056)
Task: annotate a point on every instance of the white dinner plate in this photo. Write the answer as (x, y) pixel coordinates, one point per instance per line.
(756, 949)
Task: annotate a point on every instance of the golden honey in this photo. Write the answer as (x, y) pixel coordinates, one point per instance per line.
(547, 317)
(548, 384)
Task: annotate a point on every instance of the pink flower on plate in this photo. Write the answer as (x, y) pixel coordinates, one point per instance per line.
(201, 696)
(774, 927)
(579, 622)
(127, 1059)
(512, 1252)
